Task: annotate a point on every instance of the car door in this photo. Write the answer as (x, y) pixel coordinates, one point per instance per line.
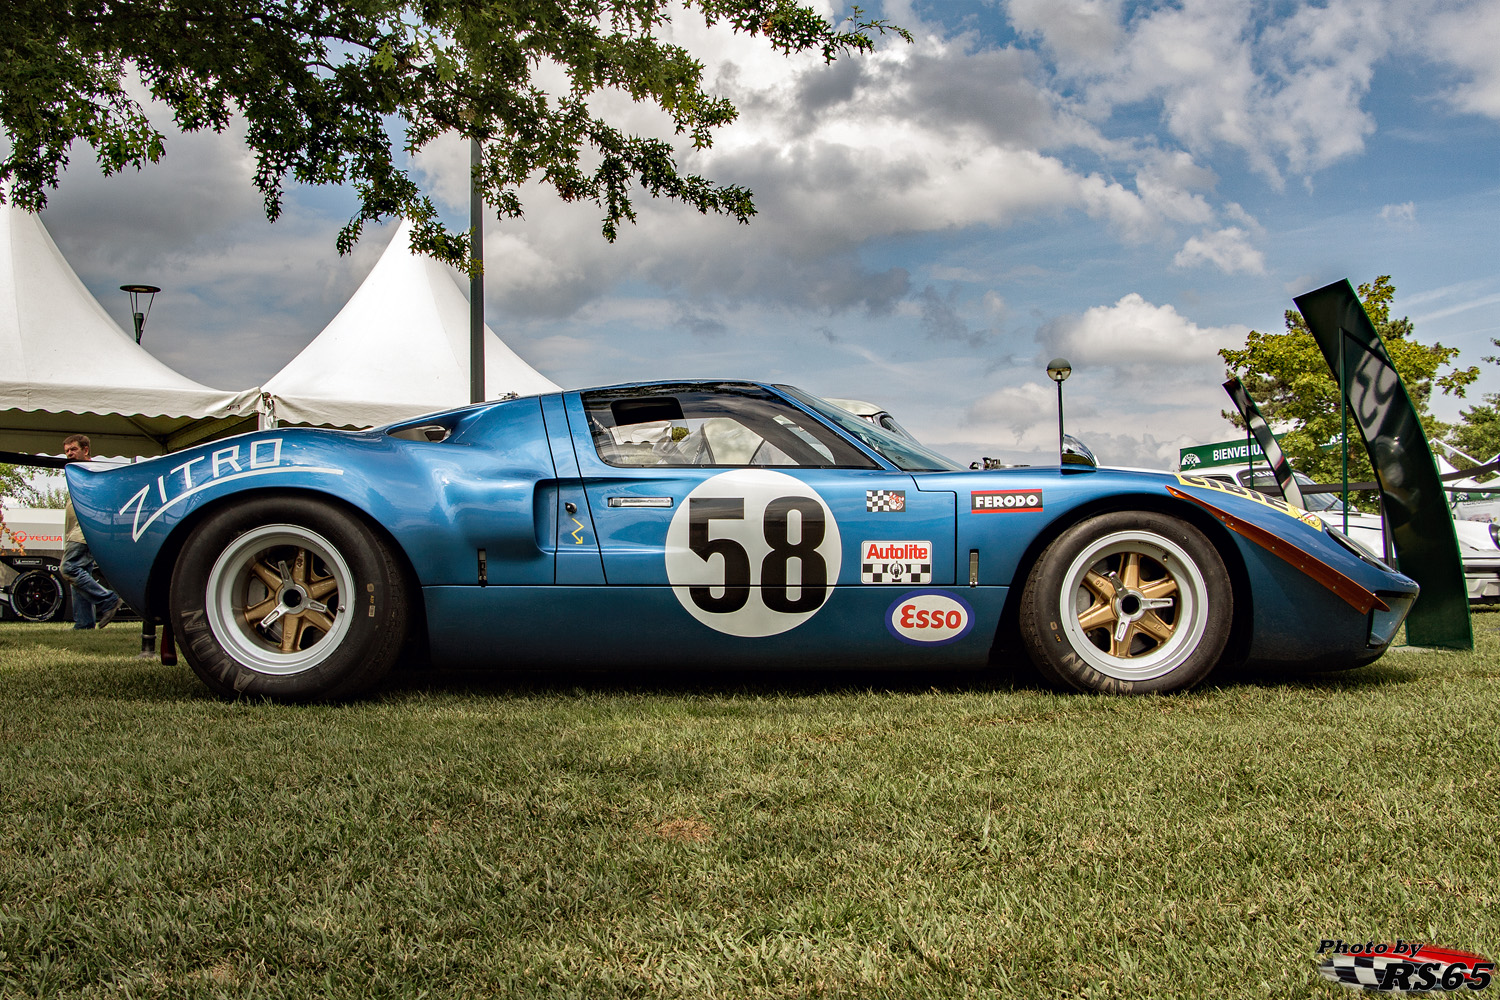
(725, 505)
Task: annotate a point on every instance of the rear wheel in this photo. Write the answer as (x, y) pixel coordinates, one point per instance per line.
(288, 598)
(1130, 603)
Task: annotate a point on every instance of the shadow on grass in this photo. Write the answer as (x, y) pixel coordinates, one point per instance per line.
(791, 681)
(53, 662)
(1381, 673)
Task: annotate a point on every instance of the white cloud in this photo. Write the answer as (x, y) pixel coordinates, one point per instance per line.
(1227, 249)
(1015, 410)
(1404, 214)
(938, 136)
(1286, 94)
(1134, 332)
(1463, 37)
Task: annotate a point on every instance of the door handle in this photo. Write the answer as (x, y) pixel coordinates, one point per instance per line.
(640, 501)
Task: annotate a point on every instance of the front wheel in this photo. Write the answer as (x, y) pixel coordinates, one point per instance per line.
(288, 598)
(1128, 603)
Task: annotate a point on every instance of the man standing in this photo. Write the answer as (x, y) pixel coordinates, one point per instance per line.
(94, 605)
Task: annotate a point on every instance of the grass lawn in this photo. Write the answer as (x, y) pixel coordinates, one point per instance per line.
(790, 835)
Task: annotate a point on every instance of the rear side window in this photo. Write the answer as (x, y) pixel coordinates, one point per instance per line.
(723, 426)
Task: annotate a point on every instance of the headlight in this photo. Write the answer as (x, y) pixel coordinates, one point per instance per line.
(1358, 548)
(1495, 534)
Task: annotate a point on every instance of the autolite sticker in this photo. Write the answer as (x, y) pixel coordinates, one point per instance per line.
(993, 501)
(929, 618)
(895, 562)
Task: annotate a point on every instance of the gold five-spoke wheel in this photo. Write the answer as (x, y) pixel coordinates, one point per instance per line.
(289, 596)
(1130, 602)
(1133, 607)
(275, 598)
(295, 611)
(1137, 601)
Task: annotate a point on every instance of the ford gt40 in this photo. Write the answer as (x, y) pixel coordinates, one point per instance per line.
(711, 524)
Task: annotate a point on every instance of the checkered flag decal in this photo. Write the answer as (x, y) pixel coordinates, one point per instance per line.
(895, 572)
(1357, 971)
(885, 501)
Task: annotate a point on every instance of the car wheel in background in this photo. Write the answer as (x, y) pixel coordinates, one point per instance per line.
(39, 595)
(1129, 603)
(288, 598)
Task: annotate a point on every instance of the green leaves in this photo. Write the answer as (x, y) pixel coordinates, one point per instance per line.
(320, 87)
(1290, 381)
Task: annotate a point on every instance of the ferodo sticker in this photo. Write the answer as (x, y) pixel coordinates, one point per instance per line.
(753, 552)
(895, 562)
(989, 501)
(1275, 503)
(929, 618)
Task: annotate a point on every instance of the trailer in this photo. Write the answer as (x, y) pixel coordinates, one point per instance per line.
(31, 553)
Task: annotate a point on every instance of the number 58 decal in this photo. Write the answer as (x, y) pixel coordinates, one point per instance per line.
(753, 552)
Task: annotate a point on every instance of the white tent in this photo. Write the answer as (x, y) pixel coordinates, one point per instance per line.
(399, 348)
(66, 367)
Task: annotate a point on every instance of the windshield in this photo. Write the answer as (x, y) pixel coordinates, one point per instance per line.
(905, 453)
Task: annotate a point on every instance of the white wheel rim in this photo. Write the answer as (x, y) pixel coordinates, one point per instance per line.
(277, 599)
(1134, 605)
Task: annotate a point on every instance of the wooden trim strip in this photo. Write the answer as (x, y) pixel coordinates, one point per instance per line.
(1352, 593)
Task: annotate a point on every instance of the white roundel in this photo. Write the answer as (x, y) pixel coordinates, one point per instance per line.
(929, 618)
(753, 552)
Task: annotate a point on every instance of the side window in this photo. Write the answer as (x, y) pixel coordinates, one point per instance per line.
(726, 427)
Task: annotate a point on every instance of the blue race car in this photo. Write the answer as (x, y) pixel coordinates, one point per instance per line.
(709, 524)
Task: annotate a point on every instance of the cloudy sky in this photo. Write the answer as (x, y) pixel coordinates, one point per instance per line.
(1130, 184)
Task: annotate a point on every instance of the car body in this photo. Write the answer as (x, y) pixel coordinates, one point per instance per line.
(707, 524)
(1478, 541)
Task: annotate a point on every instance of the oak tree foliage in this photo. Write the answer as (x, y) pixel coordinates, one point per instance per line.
(1292, 384)
(332, 91)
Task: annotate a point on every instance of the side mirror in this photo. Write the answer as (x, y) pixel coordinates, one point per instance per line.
(1076, 456)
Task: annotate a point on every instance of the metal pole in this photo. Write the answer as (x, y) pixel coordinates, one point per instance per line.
(1059, 425)
(476, 277)
(148, 628)
(1250, 453)
(1344, 423)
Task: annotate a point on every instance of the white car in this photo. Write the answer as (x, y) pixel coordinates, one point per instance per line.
(874, 414)
(1478, 541)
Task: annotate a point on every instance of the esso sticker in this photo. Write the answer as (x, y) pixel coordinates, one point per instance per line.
(929, 618)
(753, 552)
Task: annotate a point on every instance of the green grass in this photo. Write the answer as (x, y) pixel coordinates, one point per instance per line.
(784, 835)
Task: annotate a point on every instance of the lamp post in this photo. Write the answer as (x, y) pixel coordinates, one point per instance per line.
(148, 629)
(136, 291)
(1058, 370)
(476, 279)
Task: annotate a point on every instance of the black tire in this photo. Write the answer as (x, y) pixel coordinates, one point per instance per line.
(1127, 603)
(39, 595)
(288, 598)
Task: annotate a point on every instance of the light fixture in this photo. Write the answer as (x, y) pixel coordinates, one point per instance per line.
(136, 291)
(1058, 370)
